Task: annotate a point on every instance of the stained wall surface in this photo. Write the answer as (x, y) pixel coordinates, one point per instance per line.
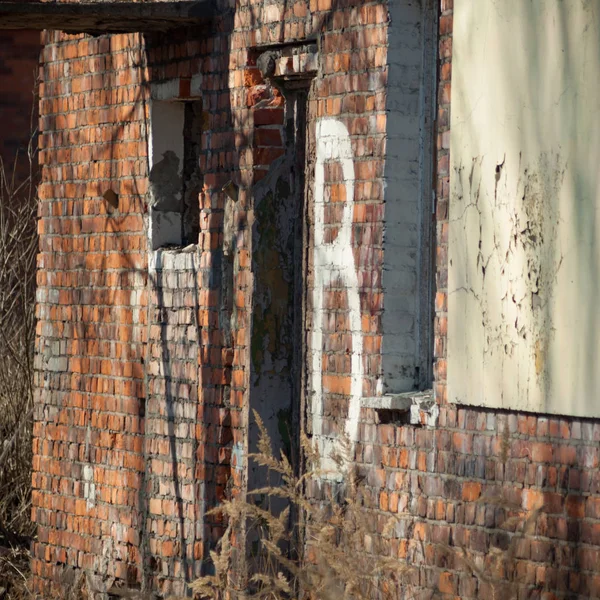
(523, 251)
(149, 362)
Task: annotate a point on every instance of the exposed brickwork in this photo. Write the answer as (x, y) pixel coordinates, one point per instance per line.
(92, 312)
(148, 363)
(440, 479)
(442, 198)
(141, 379)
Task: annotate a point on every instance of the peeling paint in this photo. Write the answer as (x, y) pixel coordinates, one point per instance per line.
(89, 487)
(511, 274)
(165, 183)
(523, 252)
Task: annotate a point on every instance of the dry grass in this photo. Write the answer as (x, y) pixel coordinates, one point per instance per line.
(18, 248)
(332, 564)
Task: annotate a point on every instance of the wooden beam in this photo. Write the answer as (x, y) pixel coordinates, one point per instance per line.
(104, 17)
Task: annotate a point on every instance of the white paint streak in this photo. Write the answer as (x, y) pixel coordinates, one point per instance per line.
(332, 261)
(89, 487)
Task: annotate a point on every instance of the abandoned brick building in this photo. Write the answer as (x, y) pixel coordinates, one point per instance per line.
(285, 206)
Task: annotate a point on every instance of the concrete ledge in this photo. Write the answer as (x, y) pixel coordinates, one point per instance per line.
(400, 402)
(421, 406)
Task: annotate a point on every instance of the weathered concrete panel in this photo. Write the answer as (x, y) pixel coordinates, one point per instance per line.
(524, 225)
(407, 197)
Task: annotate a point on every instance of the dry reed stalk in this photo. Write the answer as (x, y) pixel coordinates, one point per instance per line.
(331, 564)
(18, 250)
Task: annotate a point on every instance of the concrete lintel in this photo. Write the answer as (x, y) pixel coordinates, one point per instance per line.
(104, 17)
(288, 62)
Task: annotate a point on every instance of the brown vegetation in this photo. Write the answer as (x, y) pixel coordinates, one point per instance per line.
(18, 249)
(334, 562)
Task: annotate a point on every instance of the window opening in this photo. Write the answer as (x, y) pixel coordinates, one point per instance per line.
(175, 179)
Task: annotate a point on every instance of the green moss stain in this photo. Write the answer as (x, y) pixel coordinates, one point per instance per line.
(284, 426)
(272, 323)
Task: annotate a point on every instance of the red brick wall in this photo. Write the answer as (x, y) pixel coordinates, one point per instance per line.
(19, 55)
(145, 369)
(92, 312)
(350, 92)
(142, 400)
(461, 481)
(130, 424)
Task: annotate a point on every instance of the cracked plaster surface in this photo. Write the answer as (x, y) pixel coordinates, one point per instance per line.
(523, 254)
(512, 262)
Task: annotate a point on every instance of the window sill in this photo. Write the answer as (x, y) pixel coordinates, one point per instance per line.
(415, 408)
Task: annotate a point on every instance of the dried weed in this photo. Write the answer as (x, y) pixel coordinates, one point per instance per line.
(332, 563)
(18, 249)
